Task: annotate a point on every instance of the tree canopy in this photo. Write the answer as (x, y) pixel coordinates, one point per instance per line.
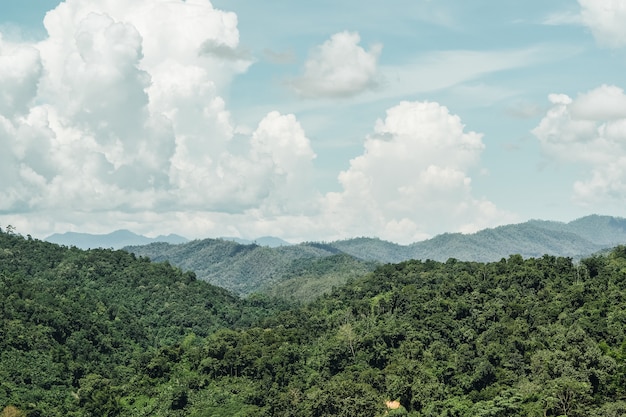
(103, 333)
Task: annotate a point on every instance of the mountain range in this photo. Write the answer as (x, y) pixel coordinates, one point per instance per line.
(120, 238)
(114, 240)
(307, 269)
(533, 238)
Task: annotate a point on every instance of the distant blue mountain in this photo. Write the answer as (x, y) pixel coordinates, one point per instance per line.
(115, 240)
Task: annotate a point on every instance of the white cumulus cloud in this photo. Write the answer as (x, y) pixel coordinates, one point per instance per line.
(607, 102)
(121, 110)
(119, 119)
(412, 178)
(340, 67)
(281, 141)
(606, 19)
(590, 131)
(20, 70)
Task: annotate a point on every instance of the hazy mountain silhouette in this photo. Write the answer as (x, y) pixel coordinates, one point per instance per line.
(115, 240)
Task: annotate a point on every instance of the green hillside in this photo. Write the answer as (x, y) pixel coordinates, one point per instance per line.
(72, 317)
(528, 239)
(602, 230)
(576, 239)
(307, 279)
(245, 269)
(103, 333)
(372, 249)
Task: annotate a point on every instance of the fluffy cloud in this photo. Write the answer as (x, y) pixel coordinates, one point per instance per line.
(20, 70)
(339, 68)
(118, 120)
(281, 140)
(412, 178)
(590, 130)
(606, 19)
(606, 102)
(120, 110)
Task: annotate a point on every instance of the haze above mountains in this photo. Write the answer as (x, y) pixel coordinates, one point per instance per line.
(121, 238)
(115, 240)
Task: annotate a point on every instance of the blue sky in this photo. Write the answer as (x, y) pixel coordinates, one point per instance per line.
(310, 121)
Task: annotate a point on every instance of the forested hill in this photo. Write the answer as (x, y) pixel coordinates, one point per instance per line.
(575, 239)
(70, 318)
(101, 333)
(307, 270)
(302, 271)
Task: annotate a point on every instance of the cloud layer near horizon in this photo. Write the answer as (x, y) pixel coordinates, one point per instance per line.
(118, 117)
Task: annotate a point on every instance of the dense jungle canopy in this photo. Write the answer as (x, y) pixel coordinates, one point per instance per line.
(105, 333)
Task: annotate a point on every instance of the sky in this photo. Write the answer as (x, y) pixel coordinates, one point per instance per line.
(309, 121)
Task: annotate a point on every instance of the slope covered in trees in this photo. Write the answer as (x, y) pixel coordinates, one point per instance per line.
(535, 337)
(576, 239)
(245, 269)
(306, 270)
(71, 318)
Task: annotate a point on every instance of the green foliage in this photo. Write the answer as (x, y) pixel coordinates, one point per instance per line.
(105, 333)
(305, 271)
(297, 272)
(307, 279)
(534, 238)
(77, 324)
